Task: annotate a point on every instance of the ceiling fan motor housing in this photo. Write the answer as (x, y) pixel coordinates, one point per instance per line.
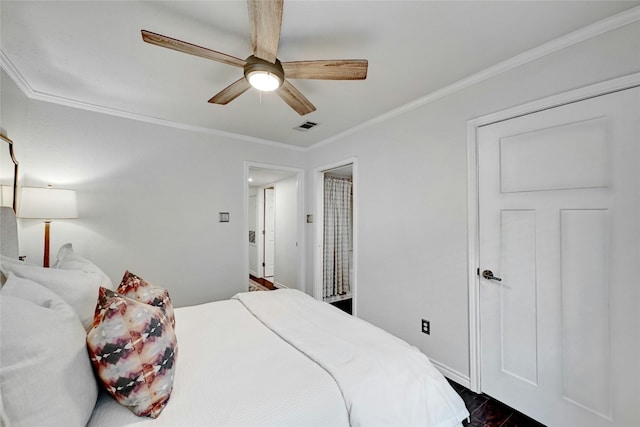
(257, 65)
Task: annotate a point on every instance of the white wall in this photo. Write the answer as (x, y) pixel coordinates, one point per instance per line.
(148, 195)
(412, 193)
(287, 251)
(13, 110)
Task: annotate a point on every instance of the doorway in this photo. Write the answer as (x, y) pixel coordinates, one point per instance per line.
(336, 225)
(553, 294)
(274, 206)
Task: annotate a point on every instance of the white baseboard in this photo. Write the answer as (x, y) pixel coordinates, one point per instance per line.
(280, 285)
(452, 374)
(254, 273)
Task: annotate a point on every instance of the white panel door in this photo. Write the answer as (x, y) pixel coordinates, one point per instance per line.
(269, 231)
(254, 268)
(559, 223)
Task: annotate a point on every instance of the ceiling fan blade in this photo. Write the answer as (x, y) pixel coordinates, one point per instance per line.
(339, 69)
(295, 99)
(265, 18)
(192, 49)
(231, 92)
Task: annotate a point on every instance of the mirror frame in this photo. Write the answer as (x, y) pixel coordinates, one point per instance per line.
(15, 171)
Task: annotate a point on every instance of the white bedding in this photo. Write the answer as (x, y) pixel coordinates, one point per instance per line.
(384, 380)
(234, 370)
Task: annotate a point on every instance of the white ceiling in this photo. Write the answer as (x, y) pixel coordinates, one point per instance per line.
(91, 52)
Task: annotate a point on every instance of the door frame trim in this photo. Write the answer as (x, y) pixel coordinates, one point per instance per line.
(473, 251)
(318, 175)
(299, 173)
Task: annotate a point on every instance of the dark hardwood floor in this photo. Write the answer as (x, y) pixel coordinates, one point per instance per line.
(488, 412)
(344, 305)
(264, 282)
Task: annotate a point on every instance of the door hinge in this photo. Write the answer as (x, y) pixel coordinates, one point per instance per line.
(263, 264)
(478, 271)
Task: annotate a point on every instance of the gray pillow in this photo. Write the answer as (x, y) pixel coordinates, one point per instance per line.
(46, 377)
(78, 288)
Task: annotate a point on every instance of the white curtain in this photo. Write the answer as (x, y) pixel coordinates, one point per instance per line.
(337, 236)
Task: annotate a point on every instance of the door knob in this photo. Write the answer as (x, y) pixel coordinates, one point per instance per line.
(488, 274)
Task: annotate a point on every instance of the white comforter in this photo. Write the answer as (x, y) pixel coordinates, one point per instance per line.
(317, 367)
(384, 380)
(233, 371)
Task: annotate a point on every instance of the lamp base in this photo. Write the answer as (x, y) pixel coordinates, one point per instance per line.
(47, 225)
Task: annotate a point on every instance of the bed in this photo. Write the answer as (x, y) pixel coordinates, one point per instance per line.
(271, 358)
(254, 376)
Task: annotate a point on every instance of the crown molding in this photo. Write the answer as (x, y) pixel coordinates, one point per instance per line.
(585, 33)
(15, 75)
(33, 94)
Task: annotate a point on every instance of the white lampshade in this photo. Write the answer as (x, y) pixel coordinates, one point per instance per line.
(47, 203)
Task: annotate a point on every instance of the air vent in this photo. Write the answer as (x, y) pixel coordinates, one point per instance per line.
(306, 126)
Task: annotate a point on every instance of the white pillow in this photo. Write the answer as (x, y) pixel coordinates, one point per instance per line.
(78, 288)
(45, 374)
(67, 259)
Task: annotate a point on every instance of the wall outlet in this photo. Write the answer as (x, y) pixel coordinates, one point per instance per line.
(426, 327)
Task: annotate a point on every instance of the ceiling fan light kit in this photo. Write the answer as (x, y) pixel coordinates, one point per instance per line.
(263, 75)
(264, 81)
(263, 70)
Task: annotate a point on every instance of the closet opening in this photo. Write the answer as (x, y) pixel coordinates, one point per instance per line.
(335, 277)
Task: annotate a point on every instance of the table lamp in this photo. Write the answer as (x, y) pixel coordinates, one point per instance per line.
(47, 204)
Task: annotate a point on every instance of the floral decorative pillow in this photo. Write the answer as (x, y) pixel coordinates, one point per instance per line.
(136, 288)
(133, 349)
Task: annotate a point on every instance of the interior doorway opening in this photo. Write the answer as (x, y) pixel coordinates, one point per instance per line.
(274, 208)
(335, 276)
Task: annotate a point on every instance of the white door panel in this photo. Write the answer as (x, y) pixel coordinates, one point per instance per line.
(269, 231)
(559, 215)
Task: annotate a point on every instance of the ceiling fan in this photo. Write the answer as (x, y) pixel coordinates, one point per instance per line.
(263, 70)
